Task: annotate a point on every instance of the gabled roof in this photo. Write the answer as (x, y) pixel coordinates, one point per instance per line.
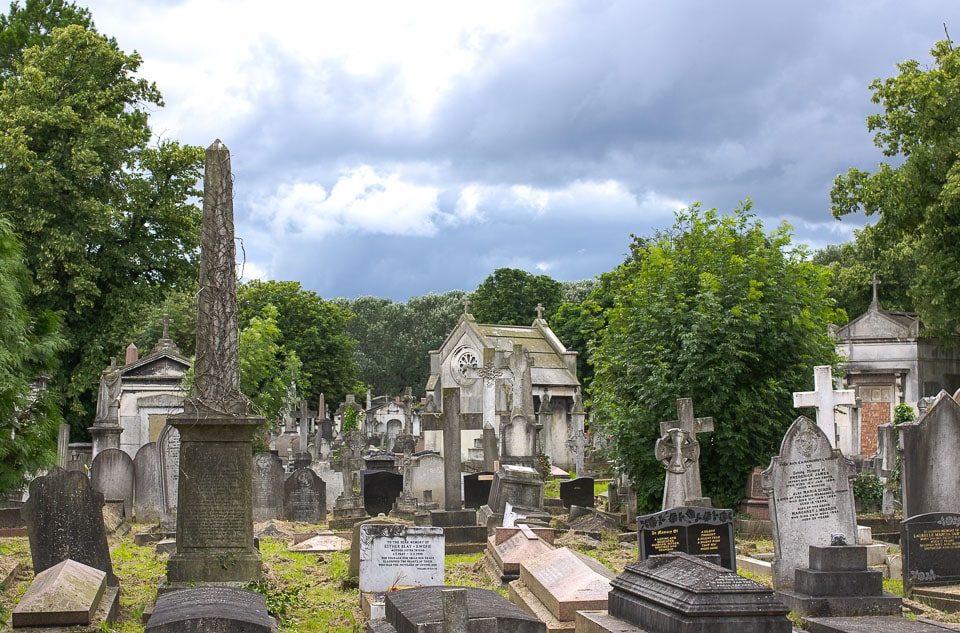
(164, 362)
(877, 324)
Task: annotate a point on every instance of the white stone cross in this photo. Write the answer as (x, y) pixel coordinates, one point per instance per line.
(577, 444)
(826, 399)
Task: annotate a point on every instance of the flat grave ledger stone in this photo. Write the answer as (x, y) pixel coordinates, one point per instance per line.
(380, 489)
(64, 517)
(810, 497)
(685, 594)
(930, 544)
(210, 608)
(565, 582)
(268, 488)
(400, 555)
(67, 594)
(326, 541)
(147, 496)
(112, 473)
(577, 492)
(509, 550)
(421, 609)
(304, 497)
(476, 489)
(932, 439)
(692, 530)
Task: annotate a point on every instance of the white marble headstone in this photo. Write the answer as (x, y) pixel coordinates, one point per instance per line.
(396, 555)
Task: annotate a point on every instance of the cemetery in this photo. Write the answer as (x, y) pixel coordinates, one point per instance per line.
(502, 497)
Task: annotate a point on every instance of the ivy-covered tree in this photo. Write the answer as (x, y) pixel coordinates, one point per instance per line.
(28, 348)
(718, 310)
(106, 220)
(510, 296)
(917, 194)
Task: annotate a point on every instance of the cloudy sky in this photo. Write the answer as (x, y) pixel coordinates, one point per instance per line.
(399, 148)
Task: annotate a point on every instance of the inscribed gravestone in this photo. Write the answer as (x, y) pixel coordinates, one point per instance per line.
(267, 487)
(398, 555)
(929, 443)
(697, 531)
(147, 498)
(577, 492)
(64, 516)
(304, 497)
(931, 549)
(380, 489)
(810, 497)
(168, 447)
(427, 474)
(112, 474)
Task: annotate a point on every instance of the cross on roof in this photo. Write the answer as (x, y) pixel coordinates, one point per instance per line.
(875, 282)
(166, 325)
(825, 398)
(539, 311)
(686, 421)
(466, 305)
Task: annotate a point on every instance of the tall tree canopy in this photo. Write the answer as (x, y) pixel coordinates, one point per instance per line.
(719, 311)
(32, 25)
(28, 348)
(269, 373)
(314, 329)
(105, 219)
(510, 296)
(917, 197)
(394, 339)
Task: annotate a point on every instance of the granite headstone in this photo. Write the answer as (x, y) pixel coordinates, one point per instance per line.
(577, 492)
(706, 532)
(380, 488)
(268, 479)
(304, 497)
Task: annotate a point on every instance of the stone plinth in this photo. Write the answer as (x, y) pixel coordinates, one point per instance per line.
(67, 594)
(215, 498)
(562, 582)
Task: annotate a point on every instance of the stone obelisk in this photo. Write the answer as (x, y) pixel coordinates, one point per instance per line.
(215, 493)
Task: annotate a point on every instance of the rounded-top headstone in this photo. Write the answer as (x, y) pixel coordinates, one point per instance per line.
(210, 608)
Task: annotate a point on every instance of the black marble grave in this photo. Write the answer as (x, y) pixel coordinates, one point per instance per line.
(679, 593)
(379, 489)
(476, 489)
(698, 531)
(577, 492)
(210, 608)
(931, 549)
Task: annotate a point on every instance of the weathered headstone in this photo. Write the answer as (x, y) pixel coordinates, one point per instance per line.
(112, 473)
(560, 583)
(147, 496)
(491, 447)
(928, 444)
(214, 495)
(679, 452)
(427, 474)
(699, 531)
(826, 399)
(210, 608)
(517, 485)
(348, 508)
(333, 482)
(67, 594)
(931, 549)
(684, 594)
(755, 501)
(304, 497)
(422, 609)
(168, 447)
(63, 445)
(577, 492)
(577, 443)
(380, 489)
(399, 555)
(267, 484)
(810, 497)
(64, 516)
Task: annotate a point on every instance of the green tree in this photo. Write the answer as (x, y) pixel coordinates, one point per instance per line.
(32, 25)
(313, 328)
(510, 296)
(104, 219)
(267, 369)
(719, 311)
(394, 339)
(917, 197)
(28, 348)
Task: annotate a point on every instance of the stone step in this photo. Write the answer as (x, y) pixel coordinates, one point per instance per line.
(875, 624)
(943, 598)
